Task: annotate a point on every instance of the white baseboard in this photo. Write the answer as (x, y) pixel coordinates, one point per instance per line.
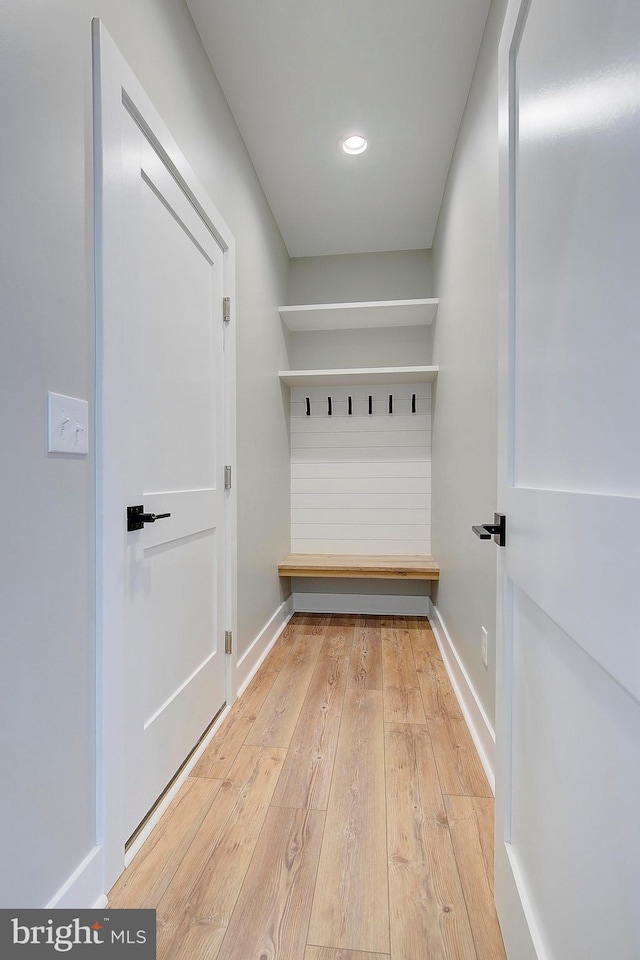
(84, 888)
(251, 661)
(479, 725)
(373, 604)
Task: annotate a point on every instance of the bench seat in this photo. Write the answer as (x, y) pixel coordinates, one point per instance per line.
(359, 567)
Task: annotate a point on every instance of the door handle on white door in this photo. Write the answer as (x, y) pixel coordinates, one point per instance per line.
(497, 529)
(136, 517)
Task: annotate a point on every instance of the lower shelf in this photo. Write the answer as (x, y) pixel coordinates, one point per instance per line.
(359, 567)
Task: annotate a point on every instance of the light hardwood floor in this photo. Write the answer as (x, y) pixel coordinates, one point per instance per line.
(340, 812)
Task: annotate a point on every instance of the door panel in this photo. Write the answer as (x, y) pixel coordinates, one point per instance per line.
(568, 711)
(172, 405)
(182, 573)
(568, 549)
(183, 376)
(575, 200)
(575, 783)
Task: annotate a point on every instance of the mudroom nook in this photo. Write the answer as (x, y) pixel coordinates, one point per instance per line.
(361, 457)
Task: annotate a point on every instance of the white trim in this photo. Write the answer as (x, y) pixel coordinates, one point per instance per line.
(84, 887)
(114, 82)
(250, 662)
(515, 911)
(359, 375)
(525, 903)
(374, 604)
(230, 441)
(479, 725)
(154, 819)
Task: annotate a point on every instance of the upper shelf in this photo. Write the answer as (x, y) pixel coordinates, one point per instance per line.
(362, 375)
(352, 316)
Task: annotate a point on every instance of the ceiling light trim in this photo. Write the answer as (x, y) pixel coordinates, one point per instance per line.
(354, 144)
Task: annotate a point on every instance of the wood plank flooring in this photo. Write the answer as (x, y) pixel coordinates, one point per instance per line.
(340, 813)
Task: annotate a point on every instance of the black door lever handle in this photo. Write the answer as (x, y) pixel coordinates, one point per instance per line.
(497, 529)
(136, 517)
(485, 531)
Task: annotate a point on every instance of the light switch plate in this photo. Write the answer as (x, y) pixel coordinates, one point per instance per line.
(68, 424)
(484, 646)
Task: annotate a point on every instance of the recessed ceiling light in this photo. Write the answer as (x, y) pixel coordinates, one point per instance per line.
(354, 144)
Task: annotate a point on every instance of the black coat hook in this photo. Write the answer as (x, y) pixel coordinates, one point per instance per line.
(308, 407)
(329, 411)
(390, 403)
(370, 405)
(350, 406)
(413, 403)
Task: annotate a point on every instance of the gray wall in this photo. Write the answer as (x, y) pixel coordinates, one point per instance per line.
(47, 803)
(396, 275)
(465, 347)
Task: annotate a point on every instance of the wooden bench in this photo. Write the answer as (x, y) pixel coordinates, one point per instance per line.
(359, 567)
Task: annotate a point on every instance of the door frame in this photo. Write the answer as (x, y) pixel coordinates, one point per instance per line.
(515, 911)
(114, 84)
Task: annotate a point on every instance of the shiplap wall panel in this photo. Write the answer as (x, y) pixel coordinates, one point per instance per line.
(391, 517)
(364, 531)
(362, 453)
(357, 501)
(361, 483)
(366, 548)
(388, 439)
(348, 470)
(358, 423)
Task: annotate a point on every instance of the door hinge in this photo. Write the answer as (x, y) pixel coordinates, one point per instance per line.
(228, 641)
(227, 477)
(226, 309)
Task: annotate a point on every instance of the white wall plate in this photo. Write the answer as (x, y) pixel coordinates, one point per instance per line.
(68, 424)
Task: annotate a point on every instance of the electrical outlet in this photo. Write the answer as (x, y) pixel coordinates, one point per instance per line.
(483, 648)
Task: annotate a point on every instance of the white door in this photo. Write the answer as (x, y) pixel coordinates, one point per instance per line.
(172, 400)
(163, 422)
(568, 724)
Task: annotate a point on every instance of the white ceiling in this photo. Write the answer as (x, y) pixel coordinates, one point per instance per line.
(301, 74)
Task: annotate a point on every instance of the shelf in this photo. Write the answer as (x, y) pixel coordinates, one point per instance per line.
(362, 375)
(353, 316)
